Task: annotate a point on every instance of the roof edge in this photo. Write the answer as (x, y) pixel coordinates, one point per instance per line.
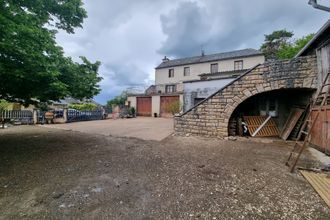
(319, 32)
(229, 58)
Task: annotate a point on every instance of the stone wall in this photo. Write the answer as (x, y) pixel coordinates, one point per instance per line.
(211, 117)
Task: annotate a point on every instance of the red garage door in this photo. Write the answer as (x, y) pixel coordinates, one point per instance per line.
(143, 106)
(165, 102)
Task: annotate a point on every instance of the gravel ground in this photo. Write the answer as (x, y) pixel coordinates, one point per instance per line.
(55, 174)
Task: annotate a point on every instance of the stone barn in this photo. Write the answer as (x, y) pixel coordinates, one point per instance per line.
(273, 89)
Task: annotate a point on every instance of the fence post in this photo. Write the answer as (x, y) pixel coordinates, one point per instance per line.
(35, 116)
(65, 115)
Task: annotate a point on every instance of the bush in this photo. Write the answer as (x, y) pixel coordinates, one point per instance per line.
(84, 107)
(174, 107)
(131, 111)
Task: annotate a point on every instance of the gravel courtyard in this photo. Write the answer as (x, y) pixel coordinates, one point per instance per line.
(50, 173)
(146, 128)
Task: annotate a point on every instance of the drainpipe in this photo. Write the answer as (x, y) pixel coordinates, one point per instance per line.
(317, 6)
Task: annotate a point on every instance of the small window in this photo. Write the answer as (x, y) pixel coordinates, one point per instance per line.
(268, 107)
(170, 88)
(238, 65)
(198, 100)
(170, 73)
(186, 71)
(214, 68)
(272, 108)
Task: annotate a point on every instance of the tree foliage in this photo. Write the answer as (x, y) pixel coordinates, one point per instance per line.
(84, 106)
(273, 42)
(280, 45)
(118, 100)
(289, 50)
(32, 66)
(3, 105)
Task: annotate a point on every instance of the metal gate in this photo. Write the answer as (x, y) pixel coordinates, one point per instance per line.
(75, 115)
(17, 116)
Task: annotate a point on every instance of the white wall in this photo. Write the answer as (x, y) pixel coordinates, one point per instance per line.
(132, 99)
(161, 75)
(155, 105)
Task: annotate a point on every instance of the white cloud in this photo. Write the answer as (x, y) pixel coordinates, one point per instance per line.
(130, 37)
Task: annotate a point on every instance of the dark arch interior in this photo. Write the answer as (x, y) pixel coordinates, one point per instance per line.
(277, 103)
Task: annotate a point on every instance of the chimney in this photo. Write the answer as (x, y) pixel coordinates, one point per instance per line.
(202, 51)
(165, 59)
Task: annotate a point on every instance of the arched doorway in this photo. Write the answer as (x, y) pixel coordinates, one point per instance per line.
(277, 103)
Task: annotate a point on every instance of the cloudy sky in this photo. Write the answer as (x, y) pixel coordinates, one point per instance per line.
(130, 37)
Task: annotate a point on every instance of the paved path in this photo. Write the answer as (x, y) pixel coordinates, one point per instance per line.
(142, 127)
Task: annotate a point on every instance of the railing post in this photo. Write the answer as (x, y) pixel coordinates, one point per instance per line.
(35, 116)
(65, 115)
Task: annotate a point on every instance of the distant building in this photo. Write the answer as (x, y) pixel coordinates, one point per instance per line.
(189, 80)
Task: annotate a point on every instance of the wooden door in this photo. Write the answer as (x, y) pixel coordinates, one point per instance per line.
(320, 134)
(143, 106)
(165, 103)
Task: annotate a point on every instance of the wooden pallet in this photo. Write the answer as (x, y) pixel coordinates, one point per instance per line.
(320, 182)
(270, 129)
(295, 115)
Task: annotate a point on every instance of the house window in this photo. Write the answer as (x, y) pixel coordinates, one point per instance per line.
(238, 65)
(170, 88)
(170, 73)
(272, 107)
(214, 68)
(186, 71)
(268, 107)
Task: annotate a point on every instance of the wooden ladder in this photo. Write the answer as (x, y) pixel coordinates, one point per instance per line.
(319, 102)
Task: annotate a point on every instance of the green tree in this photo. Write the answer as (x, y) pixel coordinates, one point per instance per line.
(33, 67)
(118, 100)
(289, 50)
(274, 41)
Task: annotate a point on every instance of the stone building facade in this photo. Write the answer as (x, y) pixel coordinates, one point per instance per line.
(211, 116)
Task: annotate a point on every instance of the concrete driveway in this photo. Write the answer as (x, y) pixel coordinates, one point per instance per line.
(145, 128)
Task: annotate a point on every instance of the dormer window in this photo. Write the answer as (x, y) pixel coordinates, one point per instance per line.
(238, 65)
(170, 73)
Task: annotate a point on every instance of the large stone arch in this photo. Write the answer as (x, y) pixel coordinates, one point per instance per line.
(297, 96)
(211, 116)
